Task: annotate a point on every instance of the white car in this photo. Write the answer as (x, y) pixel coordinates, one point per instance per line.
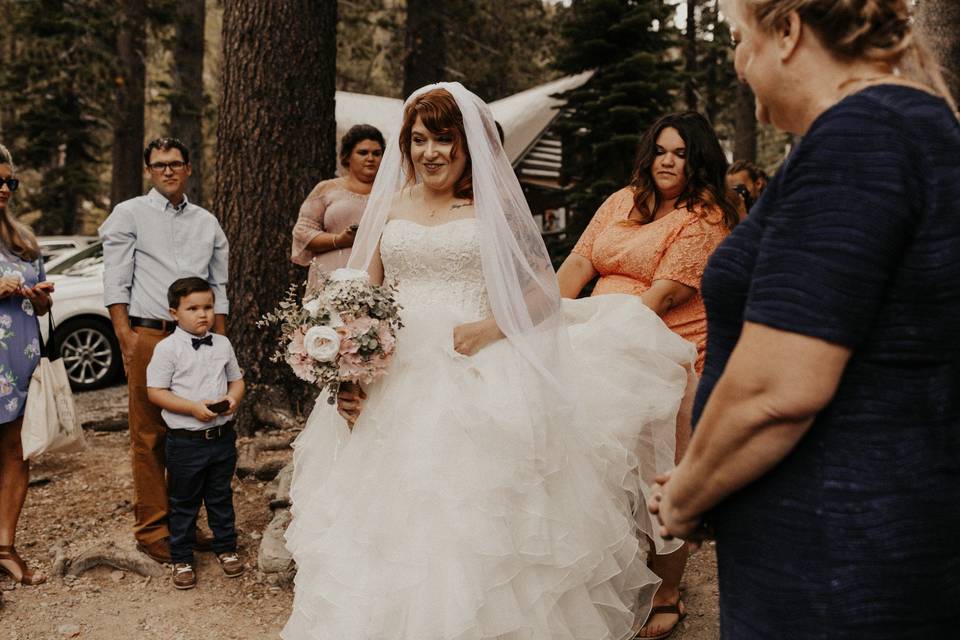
(83, 332)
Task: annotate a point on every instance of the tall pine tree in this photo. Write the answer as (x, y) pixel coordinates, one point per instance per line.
(58, 89)
(276, 139)
(627, 42)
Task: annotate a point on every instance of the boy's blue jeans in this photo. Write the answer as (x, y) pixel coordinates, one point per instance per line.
(199, 472)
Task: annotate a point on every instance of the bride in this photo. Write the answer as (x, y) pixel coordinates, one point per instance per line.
(491, 485)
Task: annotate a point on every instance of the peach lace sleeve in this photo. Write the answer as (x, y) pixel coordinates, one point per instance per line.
(613, 209)
(687, 249)
(309, 225)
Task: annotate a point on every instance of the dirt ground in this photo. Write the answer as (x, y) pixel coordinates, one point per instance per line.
(82, 501)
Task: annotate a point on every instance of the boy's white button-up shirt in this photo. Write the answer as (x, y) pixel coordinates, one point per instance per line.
(194, 374)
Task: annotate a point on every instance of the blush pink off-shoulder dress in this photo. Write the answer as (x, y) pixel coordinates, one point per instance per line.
(330, 208)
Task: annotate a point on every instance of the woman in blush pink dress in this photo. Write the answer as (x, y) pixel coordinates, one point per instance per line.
(329, 217)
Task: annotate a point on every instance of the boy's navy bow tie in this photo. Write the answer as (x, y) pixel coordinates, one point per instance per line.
(207, 340)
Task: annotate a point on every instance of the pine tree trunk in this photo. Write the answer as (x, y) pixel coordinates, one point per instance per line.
(8, 47)
(691, 56)
(187, 99)
(426, 56)
(745, 136)
(126, 180)
(939, 24)
(276, 139)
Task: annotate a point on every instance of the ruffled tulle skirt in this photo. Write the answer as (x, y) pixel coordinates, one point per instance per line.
(466, 505)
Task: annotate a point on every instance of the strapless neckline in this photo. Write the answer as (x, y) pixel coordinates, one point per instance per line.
(431, 226)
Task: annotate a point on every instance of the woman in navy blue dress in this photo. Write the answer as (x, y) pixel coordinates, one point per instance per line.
(23, 296)
(826, 453)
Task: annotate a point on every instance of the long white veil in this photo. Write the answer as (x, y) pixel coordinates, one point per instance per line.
(520, 280)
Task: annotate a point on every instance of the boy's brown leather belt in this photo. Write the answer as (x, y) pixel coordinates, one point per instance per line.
(214, 433)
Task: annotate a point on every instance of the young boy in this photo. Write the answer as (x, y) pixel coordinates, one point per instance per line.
(195, 379)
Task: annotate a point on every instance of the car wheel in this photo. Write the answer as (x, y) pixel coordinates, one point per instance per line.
(90, 352)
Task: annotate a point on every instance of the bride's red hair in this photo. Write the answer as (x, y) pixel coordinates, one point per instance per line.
(440, 114)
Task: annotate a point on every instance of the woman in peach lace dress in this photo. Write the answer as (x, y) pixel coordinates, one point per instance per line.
(330, 215)
(652, 239)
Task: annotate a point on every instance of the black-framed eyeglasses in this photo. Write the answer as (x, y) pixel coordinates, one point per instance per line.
(12, 183)
(161, 167)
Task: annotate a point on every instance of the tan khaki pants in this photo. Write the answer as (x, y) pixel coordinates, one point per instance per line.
(147, 436)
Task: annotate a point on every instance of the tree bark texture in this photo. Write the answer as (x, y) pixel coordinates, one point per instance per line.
(126, 179)
(276, 140)
(938, 22)
(690, 89)
(187, 100)
(745, 136)
(8, 46)
(426, 50)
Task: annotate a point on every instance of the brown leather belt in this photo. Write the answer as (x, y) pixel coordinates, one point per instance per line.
(149, 323)
(214, 433)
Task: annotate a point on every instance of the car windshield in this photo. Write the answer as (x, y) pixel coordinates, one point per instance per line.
(79, 263)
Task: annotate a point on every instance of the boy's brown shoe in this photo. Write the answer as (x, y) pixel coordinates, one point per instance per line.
(184, 576)
(231, 565)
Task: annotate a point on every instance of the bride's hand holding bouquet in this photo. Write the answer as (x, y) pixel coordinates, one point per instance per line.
(343, 334)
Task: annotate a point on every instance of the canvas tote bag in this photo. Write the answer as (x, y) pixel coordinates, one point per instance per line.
(50, 421)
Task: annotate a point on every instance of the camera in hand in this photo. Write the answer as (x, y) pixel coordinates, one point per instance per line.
(219, 407)
(745, 194)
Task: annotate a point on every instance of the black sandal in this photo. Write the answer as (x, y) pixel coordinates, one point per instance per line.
(677, 609)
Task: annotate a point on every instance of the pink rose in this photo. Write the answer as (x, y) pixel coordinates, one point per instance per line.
(386, 338)
(296, 346)
(302, 367)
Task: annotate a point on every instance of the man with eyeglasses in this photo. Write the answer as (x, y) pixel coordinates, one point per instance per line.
(148, 242)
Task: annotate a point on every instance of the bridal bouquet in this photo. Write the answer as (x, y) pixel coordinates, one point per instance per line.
(344, 331)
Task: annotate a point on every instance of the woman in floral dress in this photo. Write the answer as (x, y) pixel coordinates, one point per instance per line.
(23, 296)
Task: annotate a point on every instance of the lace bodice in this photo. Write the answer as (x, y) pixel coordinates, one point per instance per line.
(435, 267)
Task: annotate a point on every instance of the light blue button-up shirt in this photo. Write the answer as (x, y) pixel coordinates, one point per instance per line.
(194, 374)
(148, 243)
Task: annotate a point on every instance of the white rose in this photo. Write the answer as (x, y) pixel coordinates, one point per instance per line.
(322, 344)
(312, 307)
(346, 275)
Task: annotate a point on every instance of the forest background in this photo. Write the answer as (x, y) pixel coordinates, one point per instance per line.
(249, 86)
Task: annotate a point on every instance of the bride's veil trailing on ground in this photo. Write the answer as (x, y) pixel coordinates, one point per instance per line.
(520, 280)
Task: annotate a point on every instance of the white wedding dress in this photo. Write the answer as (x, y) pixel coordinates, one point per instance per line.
(456, 510)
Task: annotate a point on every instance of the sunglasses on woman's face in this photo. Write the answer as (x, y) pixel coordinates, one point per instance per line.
(12, 183)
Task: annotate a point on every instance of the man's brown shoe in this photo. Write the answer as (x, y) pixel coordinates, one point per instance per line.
(204, 540)
(231, 565)
(184, 576)
(158, 550)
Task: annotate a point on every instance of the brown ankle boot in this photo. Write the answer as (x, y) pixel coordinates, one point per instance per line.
(158, 550)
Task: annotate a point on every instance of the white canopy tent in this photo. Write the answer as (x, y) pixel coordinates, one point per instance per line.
(524, 116)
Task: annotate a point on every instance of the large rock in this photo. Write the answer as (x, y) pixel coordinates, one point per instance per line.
(274, 557)
(281, 493)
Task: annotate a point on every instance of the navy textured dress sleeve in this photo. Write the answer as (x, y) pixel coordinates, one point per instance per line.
(826, 259)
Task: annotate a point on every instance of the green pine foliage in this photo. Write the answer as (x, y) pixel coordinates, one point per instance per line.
(634, 50)
(716, 79)
(494, 48)
(499, 48)
(57, 89)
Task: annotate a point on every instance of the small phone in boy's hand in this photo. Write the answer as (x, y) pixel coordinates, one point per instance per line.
(354, 227)
(219, 407)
